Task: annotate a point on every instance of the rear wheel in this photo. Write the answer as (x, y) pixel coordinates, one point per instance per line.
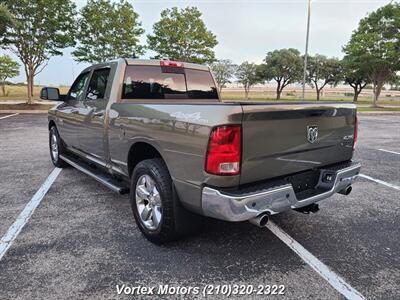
(148, 202)
(152, 201)
(56, 148)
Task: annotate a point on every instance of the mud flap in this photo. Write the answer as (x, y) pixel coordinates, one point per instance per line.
(186, 222)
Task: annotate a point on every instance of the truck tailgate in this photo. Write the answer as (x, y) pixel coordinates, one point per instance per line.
(278, 138)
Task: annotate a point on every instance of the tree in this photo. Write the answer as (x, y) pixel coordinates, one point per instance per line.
(8, 68)
(41, 29)
(375, 46)
(108, 30)
(248, 75)
(395, 83)
(284, 66)
(182, 35)
(6, 19)
(322, 71)
(223, 71)
(355, 75)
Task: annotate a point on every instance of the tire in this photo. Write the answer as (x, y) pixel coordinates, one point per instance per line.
(56, 148)
(149, 203)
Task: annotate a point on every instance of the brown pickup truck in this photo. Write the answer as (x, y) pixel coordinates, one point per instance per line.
(159, 130)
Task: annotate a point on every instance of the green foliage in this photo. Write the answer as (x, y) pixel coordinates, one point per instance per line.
(108, 30)
(248, 75)
(322, 71)
(374, 47)
(182, 35)
(355, 74)
(284, 66)
(223, 71)
(395, 83)
(6, 19)
(353, 71)
(8, 68)
(42, 28)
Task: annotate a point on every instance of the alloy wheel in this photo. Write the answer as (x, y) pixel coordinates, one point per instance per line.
(148, 202)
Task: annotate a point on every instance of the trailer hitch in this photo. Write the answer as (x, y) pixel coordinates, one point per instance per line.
(312, 208)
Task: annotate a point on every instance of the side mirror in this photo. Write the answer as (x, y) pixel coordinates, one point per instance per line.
(50, 93)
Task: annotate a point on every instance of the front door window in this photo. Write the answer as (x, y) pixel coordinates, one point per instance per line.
(78, 87)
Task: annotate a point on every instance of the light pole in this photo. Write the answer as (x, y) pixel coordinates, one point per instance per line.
(306, 53)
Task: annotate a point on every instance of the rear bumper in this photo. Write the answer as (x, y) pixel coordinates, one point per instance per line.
(245, 206)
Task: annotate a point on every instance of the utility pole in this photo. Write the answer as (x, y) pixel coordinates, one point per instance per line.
(306, 53)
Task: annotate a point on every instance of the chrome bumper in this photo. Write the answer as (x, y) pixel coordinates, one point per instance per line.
(236, 207)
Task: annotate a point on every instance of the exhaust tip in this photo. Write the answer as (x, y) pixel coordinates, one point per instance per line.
(346, 190)
(260, 220)
(263, 220)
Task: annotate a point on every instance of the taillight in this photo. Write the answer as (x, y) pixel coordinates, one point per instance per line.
(355, 132)
(168, 63)
(224, 150)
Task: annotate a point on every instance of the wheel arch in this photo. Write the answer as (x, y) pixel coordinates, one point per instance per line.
(140, 151)
(51, 124)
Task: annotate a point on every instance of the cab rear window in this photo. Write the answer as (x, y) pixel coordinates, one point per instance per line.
(154, 82)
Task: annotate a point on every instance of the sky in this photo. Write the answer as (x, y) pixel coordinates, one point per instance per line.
(245, 30)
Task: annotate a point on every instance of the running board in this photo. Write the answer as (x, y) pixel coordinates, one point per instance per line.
(96, 174)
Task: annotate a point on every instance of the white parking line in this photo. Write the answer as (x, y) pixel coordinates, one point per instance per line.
(333, 279)
(24, 216)
(380, 181)
(388, 151)
(5, 117)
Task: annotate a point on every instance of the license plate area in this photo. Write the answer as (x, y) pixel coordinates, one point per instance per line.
(304, 181)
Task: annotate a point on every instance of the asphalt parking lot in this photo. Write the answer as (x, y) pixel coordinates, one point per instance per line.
(82, 241)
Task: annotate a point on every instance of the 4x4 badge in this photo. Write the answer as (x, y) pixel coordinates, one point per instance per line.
(312, 133)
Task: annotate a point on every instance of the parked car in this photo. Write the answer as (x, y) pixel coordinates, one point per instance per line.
(158, 130)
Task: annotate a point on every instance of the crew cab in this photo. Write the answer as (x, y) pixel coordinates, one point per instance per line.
(158, 130)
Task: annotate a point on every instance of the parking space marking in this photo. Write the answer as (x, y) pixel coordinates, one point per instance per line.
(5, 117)
(380, 181)
(389, 151)
(333, 279)
(27, 212)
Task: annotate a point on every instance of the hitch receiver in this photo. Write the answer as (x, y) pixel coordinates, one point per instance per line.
(312, 208)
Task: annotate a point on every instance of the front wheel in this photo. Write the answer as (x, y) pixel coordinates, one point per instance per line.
(152, 201)
(56, 148)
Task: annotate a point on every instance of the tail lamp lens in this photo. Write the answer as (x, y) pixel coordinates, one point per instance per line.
(355, 132)
(224, 150)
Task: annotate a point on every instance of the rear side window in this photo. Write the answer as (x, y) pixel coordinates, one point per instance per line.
(200, 85)
(98, 84)
(148, 82)
(154, 82)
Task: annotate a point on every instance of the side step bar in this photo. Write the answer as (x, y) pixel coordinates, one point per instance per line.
(98, 175)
